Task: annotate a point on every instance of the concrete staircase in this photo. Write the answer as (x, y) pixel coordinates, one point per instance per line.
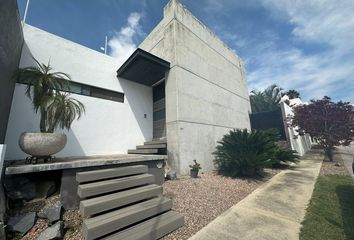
(122, 203)
(156, 146)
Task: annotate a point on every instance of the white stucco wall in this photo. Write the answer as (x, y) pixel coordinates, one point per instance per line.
(108, 127)
(300, 144)
(206, 91)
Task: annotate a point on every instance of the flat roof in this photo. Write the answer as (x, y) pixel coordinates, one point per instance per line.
(144, 68)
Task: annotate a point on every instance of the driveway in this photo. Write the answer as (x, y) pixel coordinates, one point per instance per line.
(347, 153)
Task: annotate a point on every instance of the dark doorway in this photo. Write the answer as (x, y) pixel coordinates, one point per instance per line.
(159, 116)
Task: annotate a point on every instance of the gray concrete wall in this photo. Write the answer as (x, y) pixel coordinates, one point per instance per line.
(206, 91)
(11, 41)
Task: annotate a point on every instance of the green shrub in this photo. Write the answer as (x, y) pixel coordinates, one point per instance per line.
(283, 156)
(196, 166)
(245, 153)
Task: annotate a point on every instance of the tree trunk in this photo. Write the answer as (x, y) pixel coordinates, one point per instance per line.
(329, 153)
(42, 125)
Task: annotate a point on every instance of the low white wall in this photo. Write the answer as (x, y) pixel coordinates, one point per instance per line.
(301, 144)
(108, 127)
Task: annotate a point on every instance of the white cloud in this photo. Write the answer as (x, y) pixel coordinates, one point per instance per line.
(316, 58)
(325, 21)
(328, 71)
(122, 44)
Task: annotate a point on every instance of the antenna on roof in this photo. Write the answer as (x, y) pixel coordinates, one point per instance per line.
(25, 14)
(105, 46)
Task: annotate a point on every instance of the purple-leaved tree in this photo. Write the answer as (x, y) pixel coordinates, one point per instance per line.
(330, 123)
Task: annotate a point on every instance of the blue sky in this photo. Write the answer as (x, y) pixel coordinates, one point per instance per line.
(307, 45)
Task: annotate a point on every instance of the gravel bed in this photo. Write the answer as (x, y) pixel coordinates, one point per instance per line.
(335, 167)
(201, 200)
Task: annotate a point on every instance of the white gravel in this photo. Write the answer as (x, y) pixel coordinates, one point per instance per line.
(201, 200)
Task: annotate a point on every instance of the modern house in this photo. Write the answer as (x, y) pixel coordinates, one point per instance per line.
(183, 86)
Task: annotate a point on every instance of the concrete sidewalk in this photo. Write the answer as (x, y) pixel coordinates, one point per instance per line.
(347, 154)
(273, 211)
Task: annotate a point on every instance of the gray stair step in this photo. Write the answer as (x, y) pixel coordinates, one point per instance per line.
(115, 200)
(113, 221)
(162, 141)
(97, 188)
(143, 151)
(151, 229)
(151, 146)
(110, 173)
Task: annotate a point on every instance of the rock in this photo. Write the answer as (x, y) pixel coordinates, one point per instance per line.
(21, 223)
(20, 188)
(171, 175)
(53, 232)
(46, 189)
(52, 213)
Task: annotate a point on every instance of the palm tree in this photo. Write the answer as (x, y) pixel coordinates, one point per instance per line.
(62, 111)
(43, 89)
(267, 100)
(292, 94)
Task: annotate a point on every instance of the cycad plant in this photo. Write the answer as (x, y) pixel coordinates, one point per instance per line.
(241, 152)
(44, 89)
(244, 153)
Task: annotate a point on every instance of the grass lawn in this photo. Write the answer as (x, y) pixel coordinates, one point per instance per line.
(330, 214)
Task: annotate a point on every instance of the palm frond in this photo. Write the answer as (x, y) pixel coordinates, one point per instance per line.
(44, 89)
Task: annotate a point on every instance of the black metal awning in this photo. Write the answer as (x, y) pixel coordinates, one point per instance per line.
(144, 68)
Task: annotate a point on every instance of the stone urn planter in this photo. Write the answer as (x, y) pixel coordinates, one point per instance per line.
(42, 145)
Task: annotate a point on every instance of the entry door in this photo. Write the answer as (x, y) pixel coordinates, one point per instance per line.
(159, 118)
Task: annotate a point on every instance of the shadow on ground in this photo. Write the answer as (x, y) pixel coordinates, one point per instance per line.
(345, 195)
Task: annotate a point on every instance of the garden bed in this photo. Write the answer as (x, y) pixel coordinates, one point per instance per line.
(201, 200)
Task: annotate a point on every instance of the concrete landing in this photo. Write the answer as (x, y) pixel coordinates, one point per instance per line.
(272, 212)
(19, 167)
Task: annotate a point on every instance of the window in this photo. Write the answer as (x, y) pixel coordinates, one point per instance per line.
(86, 90)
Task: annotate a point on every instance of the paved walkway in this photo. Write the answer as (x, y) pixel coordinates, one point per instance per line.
(273, 211)
(347, 153)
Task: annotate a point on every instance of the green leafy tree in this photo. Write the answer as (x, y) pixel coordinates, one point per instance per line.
(267, 100)
(330, 123)
(43, 88)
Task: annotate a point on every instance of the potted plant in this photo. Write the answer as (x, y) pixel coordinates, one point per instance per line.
(195, 169)
(56, 108)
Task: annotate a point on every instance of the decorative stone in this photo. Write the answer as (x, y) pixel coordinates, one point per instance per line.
(52, 213)
(171, 175)
(42, 144)
(53, 232)
(46, 189)
(20, 188)
(21, 223)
